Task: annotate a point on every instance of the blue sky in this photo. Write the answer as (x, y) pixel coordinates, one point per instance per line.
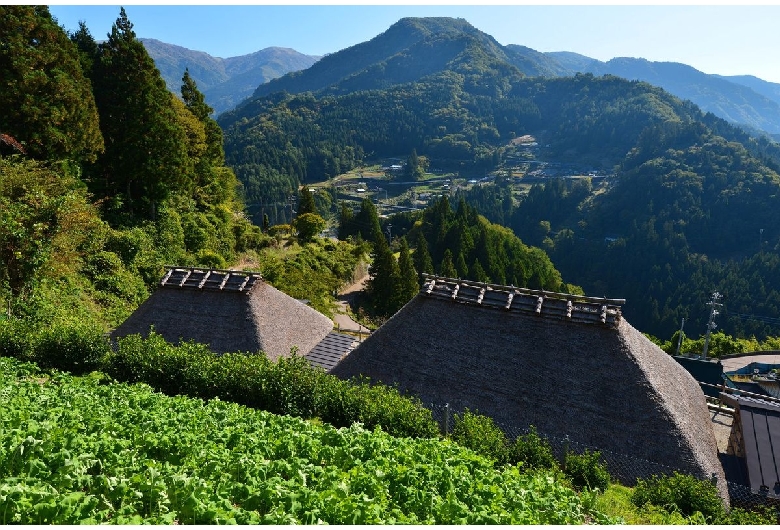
(720, 39)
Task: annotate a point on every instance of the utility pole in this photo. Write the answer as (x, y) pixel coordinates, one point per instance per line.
(679, 337)
(389, 235)
(711, 323)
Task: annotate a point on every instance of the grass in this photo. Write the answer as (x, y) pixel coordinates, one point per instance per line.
(616, 502)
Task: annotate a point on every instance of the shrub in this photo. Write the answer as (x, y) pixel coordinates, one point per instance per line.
(532, 451)
(681, 493)
(287, 386)
(15, 339)
(585, 471)
(75, 348)
(482, 435)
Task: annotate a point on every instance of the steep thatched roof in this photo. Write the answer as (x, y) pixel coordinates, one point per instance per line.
(532, 358)
(230, 311)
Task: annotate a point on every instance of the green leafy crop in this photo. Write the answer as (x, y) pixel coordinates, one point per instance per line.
(78, 451)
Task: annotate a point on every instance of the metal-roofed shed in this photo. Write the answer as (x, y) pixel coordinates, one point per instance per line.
(755, 437)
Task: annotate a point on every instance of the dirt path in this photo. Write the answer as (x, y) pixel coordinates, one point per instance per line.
(345, 300)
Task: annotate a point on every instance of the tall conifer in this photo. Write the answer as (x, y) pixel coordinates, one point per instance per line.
(46, 101)
(422, 257)
(146, 151)
(385, 276)
(408, 285)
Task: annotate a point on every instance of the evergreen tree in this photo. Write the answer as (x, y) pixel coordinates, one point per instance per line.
(422, 258)
(346, 222)
(306, 202)
(367, 222)
(447, 267)
(413, 169)
(87, 48)
(266, 223)
(385, 277)
(460, 265)
(478, 273)
(146, 154)
(196, 102)
(46, 102)
(408, 285)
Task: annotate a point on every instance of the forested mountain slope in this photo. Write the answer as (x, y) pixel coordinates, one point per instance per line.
(681, 217)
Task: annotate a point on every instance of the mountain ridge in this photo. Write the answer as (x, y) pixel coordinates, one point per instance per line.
(225, 82)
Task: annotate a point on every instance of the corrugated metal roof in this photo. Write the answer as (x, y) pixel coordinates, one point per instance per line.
(331, 350)
(760, 426)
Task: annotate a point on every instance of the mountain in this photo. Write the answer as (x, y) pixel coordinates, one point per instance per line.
(224, 82)
(765, 88)
(743, 100)
(410, 49)
(674, 221)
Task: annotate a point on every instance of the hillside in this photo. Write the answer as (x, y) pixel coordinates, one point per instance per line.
(462, 115)
(224, 82)
(735, 101)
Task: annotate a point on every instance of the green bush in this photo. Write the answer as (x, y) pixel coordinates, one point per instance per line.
(287, 386)
(585, 471)
(532, 451)
(75, 348)
(680, 493)
(482, 435)
(16, 339)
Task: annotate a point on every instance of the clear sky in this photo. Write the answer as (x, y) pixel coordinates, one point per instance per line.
(716, 39)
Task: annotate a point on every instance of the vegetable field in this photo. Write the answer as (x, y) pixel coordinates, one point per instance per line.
(85, 451)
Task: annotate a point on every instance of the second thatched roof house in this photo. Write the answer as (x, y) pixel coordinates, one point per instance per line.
(231, 311)
(569, 365)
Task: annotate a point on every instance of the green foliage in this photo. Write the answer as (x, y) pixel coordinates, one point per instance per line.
(313, 271)
(79, 348)
(680, 493)
(532, 451)
(46, 99)
(44, 219)
(306, 202)
(586, 471)
(385, 274)
(465, 237)
(482, 435)
(115, 453)
(146, 155)
(421, 256)
(288, 386)
(408, 282)
(308, 225)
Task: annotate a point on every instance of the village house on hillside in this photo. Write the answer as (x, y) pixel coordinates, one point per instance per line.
(570, 366)
(235, 311)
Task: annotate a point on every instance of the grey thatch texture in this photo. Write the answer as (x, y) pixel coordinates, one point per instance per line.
(606, 387)
(262, 318)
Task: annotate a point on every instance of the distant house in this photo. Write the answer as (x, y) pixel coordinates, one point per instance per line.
(569, 365)
(234, 311)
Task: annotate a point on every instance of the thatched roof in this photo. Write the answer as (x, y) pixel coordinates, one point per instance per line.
(580, 371)
(230, 311)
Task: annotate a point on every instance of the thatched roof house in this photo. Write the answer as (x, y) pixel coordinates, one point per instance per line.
(231, 311)
(571, 366)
